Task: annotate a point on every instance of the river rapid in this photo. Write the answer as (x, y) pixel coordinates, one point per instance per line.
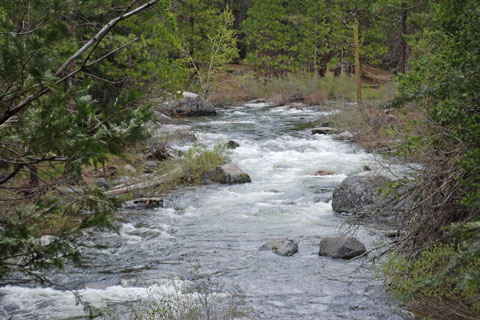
(213, 233)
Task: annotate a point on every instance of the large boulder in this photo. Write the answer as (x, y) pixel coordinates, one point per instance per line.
(174, 134)
(190, 105)
(341, 247)
(161, 118)
(229, 173)
(358, 192)
(283, 247)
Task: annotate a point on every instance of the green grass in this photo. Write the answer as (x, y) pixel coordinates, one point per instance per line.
(192, 166)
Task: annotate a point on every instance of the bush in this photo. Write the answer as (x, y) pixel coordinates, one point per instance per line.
(441, 282)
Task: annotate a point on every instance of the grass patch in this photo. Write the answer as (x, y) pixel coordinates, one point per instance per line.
(192, 167)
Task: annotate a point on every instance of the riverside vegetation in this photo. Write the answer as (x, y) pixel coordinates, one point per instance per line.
(79, 81)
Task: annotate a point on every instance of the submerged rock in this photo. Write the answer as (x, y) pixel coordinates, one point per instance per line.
(326, 130)
(229, 173)
(323, 173)
(191, 105)
(298, 105)
(357, 192)
(148, 203)
(283, 247)
(232, 144)
(341, 247)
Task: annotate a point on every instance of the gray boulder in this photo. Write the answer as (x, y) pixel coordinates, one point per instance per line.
(47, 240)
(161, 118)
(283, 247)
(357, 192)
(341, 247)
(170, 133)
(230, 174)
(190, 105)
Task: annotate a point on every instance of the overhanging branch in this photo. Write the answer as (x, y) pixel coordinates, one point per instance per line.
(97, 38)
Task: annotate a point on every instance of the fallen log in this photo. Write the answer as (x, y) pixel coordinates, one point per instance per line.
(155, 182)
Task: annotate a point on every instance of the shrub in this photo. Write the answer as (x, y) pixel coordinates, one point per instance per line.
(442, 282)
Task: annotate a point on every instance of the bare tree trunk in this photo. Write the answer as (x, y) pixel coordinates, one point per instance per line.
(402, 63)
(358, 67)
(127, 80)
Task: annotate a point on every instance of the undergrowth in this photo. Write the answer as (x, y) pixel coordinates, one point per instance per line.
(314, 90)
(192, 166)
(441, 283)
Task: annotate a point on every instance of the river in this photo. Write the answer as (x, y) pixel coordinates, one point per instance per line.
(212, 233)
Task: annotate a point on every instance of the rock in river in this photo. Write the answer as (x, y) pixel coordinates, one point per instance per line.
(191, 105)
(171, 134)
(148, 203)
(229, 173)
(357, 192)
(232, 144)
(341, 247)
(327, 130)
(283, 247)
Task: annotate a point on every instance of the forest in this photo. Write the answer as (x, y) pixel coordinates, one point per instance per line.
(80, 80)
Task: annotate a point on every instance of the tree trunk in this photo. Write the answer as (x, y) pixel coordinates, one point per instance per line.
(402, 61)
(324, 67)
(34, 180)
(358, 67)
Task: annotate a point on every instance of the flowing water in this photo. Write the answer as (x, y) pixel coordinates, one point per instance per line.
(214, 232)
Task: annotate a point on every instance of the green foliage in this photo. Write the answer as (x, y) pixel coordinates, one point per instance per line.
(41, 236)
(56, 121)
(285, 37)
(208, 40)
(193, 166)
(442, 281)
(439, 272)
(448, 78)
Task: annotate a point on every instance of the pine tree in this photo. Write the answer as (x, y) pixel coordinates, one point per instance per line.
(70, 77)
